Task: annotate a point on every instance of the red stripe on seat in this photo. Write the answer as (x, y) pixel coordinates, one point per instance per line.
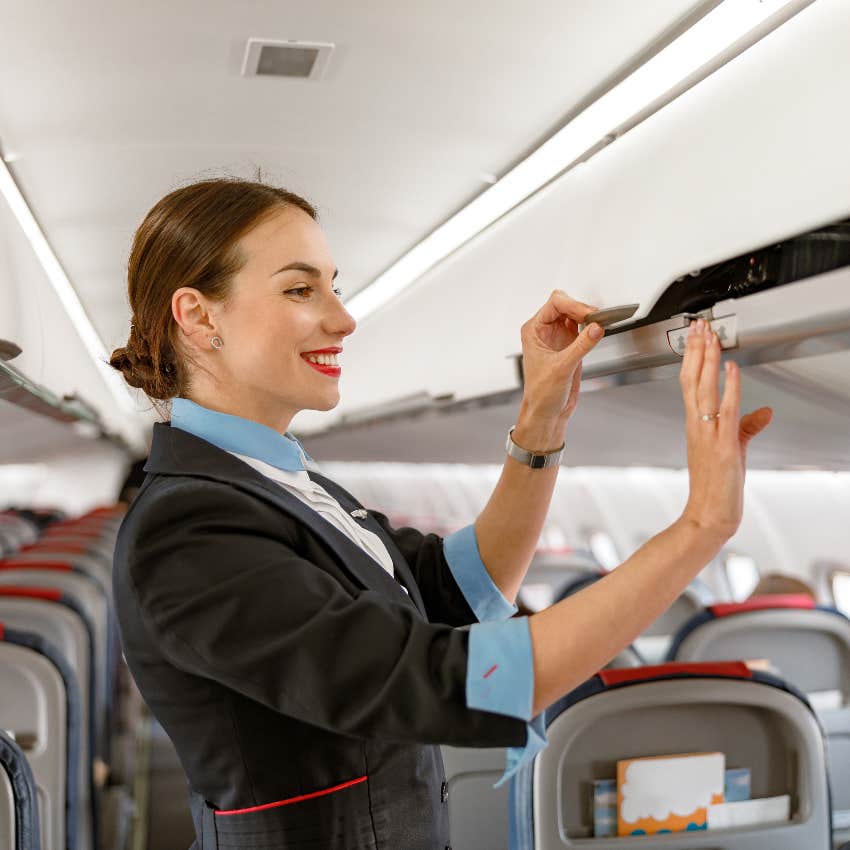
(12, 564)
(105, 511)
(77, 534)
(1, 631)
(50, 593)
(763, 603)
(736, 669)
(72, 524)
(295, 799)
(50, 546)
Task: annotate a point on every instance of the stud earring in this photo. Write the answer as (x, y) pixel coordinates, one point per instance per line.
(215, 342)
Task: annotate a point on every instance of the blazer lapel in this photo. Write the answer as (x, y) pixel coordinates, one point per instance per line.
(370, 524)
(176, 452)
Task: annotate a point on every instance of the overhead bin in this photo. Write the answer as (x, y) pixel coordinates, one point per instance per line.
(686, 189)
(783, 318)
(780, 302)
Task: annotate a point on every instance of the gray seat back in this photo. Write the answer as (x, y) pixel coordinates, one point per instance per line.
(94, 603)
(478, 813)
(7, 810)
(810, 648)
(62, 559)
(18, 531)
(19, 828)
(756, 725)
(32, 706)
(67, 632)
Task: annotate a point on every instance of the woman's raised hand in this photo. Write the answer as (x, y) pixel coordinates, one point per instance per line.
(552, 350)
(717, 445)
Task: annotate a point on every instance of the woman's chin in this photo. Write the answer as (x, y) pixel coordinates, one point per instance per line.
(328, 403)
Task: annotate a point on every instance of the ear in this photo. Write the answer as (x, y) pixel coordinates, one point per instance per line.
(191, 311)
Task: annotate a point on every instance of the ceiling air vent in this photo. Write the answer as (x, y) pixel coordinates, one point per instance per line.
(305, 60)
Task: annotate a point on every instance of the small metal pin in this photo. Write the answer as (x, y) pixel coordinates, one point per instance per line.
(359, 513)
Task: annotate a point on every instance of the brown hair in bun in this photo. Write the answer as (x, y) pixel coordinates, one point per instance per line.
(187, 239)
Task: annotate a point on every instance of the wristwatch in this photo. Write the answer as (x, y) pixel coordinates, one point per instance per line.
(536, 460)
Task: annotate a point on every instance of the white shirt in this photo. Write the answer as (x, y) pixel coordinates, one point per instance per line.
(316, 497)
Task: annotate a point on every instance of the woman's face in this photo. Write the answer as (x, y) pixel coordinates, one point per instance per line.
(283, 308)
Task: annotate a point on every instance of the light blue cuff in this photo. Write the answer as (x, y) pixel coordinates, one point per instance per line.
(500, 671)
(479, 590)
(519, 756)
(500, 678)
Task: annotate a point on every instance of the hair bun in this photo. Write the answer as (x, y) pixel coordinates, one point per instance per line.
(136, 363)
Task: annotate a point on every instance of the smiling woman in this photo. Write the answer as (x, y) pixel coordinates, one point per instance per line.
(192, 240)
(305, 657)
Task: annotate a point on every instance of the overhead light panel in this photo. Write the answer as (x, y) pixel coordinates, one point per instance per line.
(724, 32)
(64, 290)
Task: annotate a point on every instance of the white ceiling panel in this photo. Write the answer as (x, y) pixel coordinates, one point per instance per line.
(106, 107)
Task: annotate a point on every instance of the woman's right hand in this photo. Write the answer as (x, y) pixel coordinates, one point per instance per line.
(716, 448)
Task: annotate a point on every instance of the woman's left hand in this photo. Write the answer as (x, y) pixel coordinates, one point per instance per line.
(552, 351)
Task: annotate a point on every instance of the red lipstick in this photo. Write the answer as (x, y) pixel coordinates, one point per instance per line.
(330, 371)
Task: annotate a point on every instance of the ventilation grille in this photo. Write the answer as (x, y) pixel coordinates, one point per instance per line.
(295, 59)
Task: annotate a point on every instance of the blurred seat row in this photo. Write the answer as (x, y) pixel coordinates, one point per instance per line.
(62, 751)
(765, 682)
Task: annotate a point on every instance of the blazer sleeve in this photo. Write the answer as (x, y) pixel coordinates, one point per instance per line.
(223, 598)
(444, 600)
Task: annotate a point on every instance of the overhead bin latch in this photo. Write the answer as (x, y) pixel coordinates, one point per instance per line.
(726, 328)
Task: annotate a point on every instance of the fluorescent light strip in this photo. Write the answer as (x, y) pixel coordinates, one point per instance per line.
(706, 40)
(63, 288)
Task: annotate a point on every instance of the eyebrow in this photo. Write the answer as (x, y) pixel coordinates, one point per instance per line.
(304, 267)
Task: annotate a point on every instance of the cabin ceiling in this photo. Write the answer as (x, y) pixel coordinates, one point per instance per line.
(106, 107)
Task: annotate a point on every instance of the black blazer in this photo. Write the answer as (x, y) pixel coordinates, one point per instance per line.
(293, 674)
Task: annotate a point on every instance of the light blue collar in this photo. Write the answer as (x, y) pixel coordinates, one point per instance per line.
(236, 434)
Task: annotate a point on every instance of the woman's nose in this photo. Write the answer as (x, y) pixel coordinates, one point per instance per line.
(341, 321)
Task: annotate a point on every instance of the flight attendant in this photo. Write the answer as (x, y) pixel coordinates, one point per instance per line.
(304, 656)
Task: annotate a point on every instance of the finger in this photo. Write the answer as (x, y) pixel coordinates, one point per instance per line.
(753, 424)
(692, 366)
(560, 304)
(730, 407)
(708, 393)
(585, 342)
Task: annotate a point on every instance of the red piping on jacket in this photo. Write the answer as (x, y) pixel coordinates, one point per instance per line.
(295, 799)
(736, 669)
